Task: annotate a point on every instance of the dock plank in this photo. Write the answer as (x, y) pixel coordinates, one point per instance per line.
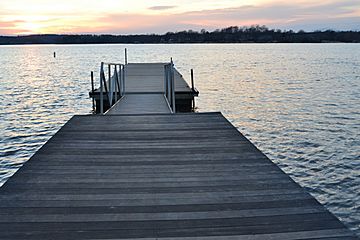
(149, 77)
(141, 104)
(158, 176)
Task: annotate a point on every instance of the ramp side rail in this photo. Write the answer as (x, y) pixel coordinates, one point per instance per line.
(113, 82)
(169, 85)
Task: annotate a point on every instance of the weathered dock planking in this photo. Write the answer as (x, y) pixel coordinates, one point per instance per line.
(168, 176)
(141, 104)
(149, 78)
(143, 171)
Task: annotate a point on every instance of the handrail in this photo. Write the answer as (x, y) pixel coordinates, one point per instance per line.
(114, 86)
(169, 86)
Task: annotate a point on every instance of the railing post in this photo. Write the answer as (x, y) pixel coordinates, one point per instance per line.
(168, 89)
(165, 75)
(101, 88)
(192, 80)
(120, 81)
(126, 58)
(172, 87)
(123, 79)
(92, 90)
(116, 83)
(110, 93)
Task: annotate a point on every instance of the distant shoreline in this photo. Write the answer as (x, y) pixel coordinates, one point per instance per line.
(27, 44)
(253, 34)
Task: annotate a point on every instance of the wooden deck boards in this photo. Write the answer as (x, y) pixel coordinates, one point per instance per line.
(141, 104)
(149, 77)
(182, 176)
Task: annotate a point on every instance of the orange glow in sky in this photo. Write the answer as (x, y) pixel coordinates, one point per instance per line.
(158, 16)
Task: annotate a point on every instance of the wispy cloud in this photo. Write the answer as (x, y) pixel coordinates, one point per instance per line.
(7, 24)
(161, 8)
(9, 27)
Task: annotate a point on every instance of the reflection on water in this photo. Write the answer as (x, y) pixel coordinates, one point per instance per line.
(299, 103)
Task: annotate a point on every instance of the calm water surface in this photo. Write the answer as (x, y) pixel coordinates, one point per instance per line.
(299, 103)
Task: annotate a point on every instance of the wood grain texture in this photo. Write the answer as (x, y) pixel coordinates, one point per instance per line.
(141, 104)
(158, 176)
(149, 77)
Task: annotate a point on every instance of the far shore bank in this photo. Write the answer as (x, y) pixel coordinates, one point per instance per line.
(254, 34)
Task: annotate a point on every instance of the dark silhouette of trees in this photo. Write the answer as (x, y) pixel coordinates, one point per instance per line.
(232, 34)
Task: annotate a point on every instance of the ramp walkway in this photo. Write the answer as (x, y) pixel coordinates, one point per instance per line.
(139, 88)
(137, 103)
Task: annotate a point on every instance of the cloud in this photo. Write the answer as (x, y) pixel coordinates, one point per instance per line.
(6, 25)
(160, 8)
(10, 27)
(275, 15)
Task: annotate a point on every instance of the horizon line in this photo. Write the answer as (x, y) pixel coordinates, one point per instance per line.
(180, 31)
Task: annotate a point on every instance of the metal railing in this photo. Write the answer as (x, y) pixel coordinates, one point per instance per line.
(169, 85)
(113, 82)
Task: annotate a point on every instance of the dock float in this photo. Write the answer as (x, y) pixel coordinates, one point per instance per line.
(128, 175)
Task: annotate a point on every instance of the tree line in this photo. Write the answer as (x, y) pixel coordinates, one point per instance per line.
(233, 34)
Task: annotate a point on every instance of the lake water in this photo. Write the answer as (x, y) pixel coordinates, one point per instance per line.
(298, 103)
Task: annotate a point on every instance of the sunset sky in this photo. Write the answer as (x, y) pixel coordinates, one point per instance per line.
(160, 16)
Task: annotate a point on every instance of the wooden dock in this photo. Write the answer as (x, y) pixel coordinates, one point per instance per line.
(151, 175)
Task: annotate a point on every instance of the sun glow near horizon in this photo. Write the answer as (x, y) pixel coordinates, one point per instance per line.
(140, 16)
